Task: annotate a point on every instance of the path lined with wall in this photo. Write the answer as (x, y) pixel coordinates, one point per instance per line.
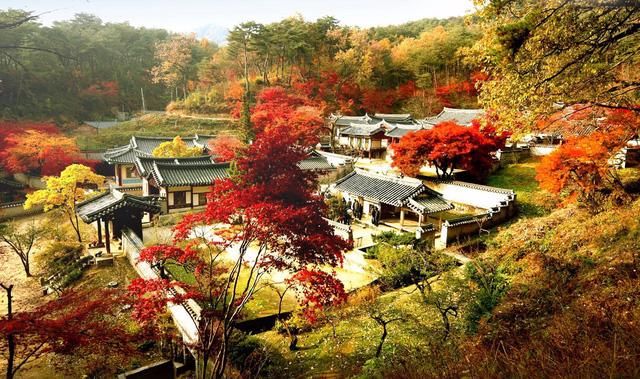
(184, 315)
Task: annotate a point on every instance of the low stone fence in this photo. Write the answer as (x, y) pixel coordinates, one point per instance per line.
(16, 209)
(29, 181)
(185, 315)
(513, 154)
(343, 230)
(456, 229)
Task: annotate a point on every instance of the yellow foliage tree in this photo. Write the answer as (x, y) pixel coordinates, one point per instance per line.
(176, 149)
(64, 191)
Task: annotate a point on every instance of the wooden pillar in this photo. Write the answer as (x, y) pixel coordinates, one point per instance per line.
(107, 236)
(401, 216)
(99, 231)
(420, 219)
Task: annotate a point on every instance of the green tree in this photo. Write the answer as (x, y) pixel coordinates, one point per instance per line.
(543, 53)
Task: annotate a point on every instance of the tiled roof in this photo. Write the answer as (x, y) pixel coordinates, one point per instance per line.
(174, 175)
(386, 189)
(460, 116)
(348, 120)
(394, 117)
(399, 131)
(144, 165)
(361, 130)
(122, 154)
(429, 202)
(108, 202)
(315, 163)
(10, 183)
(143, 146)
(148, 144)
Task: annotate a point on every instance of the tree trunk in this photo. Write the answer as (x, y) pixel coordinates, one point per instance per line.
(25, 264)
(11, 343)
(382, 339)
(447, 325)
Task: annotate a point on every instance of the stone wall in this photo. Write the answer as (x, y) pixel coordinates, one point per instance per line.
(29, 181)
(16, 209)
(513, 155)
(160, 370)
(499, 205)
(542, 150)
(184, 315)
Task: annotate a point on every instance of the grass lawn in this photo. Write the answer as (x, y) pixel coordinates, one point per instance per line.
(356, 338)
(521, 177)
(265, 300)
(150, 125)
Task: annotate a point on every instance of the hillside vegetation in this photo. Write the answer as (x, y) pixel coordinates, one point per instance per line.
(152, 125)
(570, 307)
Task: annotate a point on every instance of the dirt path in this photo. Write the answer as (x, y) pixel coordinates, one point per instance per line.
(26, 291)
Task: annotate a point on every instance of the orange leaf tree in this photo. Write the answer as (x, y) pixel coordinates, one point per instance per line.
(40, 153)
(581, 169)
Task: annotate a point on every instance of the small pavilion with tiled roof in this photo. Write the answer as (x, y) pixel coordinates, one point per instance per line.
(118, 209)
(392, 196)
(398, 131)
(370, 136)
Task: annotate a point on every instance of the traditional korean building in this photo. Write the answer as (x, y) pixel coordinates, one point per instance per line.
(368, 135)
(184, 183)
(366, 140)
(123, 157)
(397, 131)
(115, 211)
(459, 116)
(393, 197)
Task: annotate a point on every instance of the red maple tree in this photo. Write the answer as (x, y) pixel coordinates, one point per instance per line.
(317, 290)
(277, 108)
(76, 323)
(449, 146)
(267, 217)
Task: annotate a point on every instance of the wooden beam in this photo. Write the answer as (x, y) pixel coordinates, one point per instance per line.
(107, 237)
(99, 232)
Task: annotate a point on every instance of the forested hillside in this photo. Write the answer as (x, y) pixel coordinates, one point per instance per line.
(84, 68)
(81, 68)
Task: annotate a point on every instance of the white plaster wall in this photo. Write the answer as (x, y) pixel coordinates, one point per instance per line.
(471, 196)
(542, 150)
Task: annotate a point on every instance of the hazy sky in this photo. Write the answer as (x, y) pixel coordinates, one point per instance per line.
(187, 15)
